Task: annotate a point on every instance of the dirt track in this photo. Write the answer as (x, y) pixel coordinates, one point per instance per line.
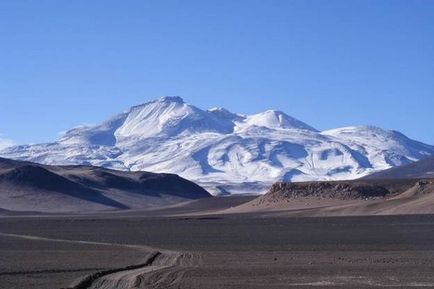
(161, 268)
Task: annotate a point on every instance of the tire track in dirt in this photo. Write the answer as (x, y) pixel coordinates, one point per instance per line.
(161, 268)
(53, 271)
(164, 271)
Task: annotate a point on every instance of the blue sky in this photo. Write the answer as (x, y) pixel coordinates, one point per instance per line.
(328, 63)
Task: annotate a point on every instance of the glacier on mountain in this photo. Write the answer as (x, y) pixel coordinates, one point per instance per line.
(223, 151)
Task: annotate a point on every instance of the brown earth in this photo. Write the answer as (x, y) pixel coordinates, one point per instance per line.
(252, 250)
(32, 187)
(227, 251)
(367, 197)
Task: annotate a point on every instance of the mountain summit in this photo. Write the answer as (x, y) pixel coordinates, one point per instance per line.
(275, 119)
(225, 151)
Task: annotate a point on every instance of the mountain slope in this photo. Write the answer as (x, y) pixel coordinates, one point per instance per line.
(417, 170)
(225, 151)
(26, 186)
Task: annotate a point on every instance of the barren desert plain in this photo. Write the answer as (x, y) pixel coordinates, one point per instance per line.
(189, 246)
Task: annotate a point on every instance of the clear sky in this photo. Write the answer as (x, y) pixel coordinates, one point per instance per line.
(327, 63)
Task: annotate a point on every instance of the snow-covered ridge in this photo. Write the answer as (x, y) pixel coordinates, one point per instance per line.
(275, 119)
(226, 151)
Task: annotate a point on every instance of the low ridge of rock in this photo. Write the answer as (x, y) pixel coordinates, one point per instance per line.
(324, 190)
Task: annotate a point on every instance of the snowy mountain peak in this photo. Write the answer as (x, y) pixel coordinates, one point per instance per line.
(366, 131)
(225, 151)
(223, 113)
(358, 128)
(395, 148)
(169, 116)
(220, 110)
(276, 119)
(176, 99)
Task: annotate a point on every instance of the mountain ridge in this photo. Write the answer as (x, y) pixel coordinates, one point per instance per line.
(417, 170)
(26, 186)
(225, 151)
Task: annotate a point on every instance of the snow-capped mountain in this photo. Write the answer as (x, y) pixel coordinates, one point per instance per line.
(225, 151)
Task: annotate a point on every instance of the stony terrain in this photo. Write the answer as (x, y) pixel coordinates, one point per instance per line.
(343, 198)
(231, 251)
(326, 190)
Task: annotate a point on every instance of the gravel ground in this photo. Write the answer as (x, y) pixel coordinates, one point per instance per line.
(237, 251)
